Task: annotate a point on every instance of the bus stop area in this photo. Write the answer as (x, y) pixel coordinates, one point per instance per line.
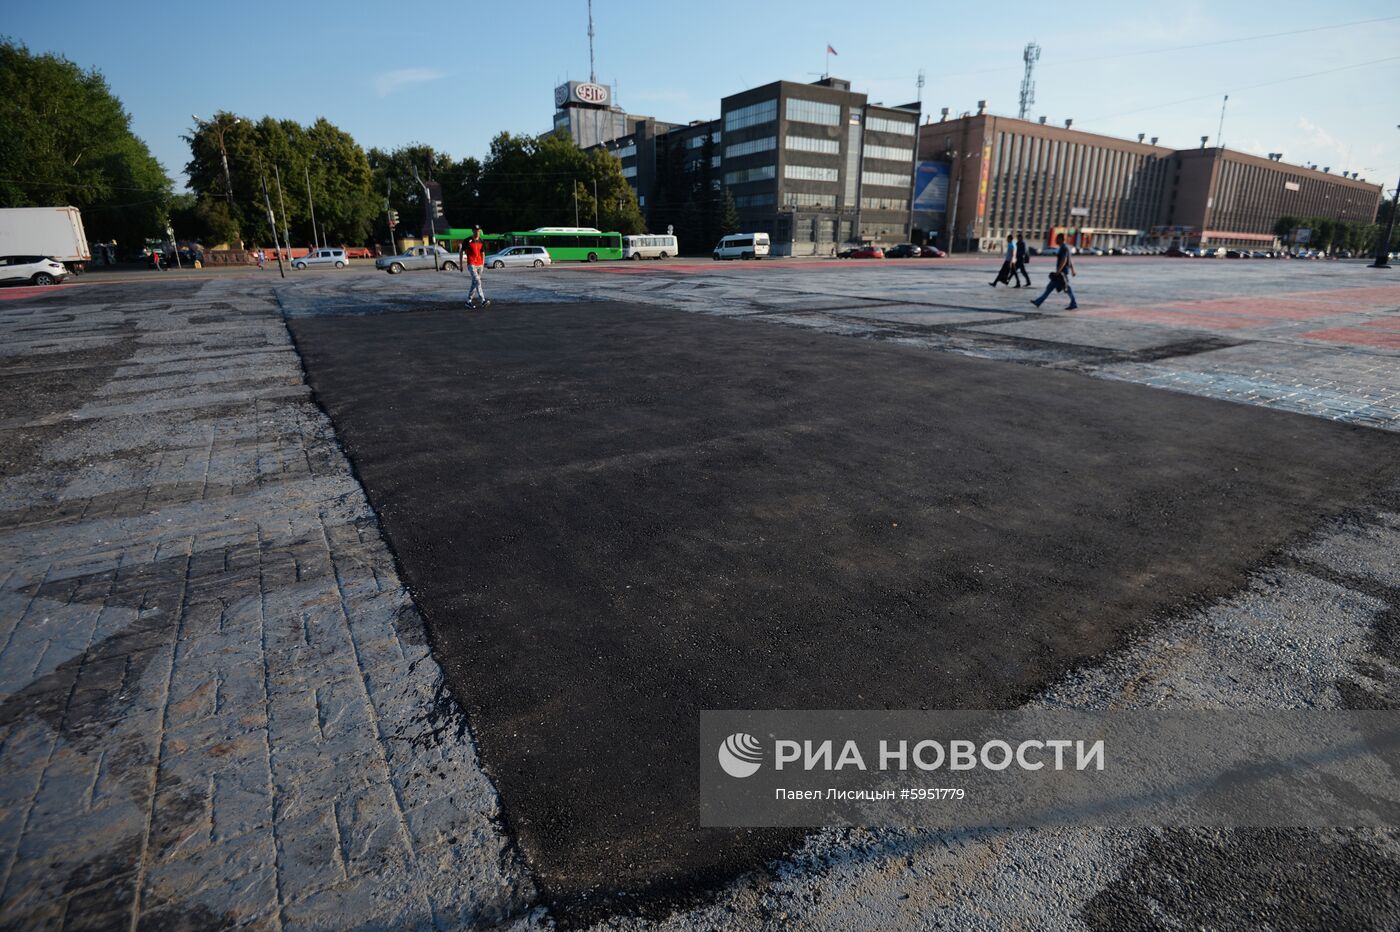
(327, 597)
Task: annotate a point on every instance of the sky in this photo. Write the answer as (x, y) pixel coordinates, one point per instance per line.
(453, 75)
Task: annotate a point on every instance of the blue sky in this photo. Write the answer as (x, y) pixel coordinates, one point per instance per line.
(458, 73)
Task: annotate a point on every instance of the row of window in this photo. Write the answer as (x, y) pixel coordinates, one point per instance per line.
(765, 144)
(812, 144)
(765, 111)
(810, 173)
(629, 171)
(812, 111)
(892, 153)
(884, 203)
(696, 142)
(759, 173)
(753, 200)
(626, 151)
(887, 179)
(882, 125)
(799, 199)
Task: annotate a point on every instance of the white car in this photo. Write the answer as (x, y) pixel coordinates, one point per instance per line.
(535, 256)
(36, 270)
(333, 258)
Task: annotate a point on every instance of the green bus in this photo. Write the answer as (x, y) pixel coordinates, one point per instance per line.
(581, 244)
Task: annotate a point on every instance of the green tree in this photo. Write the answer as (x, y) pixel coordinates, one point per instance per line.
(728, 216)
(527, 182)
(334, 164)
(67, 140)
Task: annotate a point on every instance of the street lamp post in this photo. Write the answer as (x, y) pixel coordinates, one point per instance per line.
(1383, 249)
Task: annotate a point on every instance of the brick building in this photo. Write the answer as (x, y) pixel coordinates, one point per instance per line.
(1008, 176)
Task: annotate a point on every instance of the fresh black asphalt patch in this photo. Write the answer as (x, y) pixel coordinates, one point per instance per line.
(613, 517)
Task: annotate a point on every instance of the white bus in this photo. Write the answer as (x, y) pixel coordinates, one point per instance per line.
(742, 246)
(648, 247)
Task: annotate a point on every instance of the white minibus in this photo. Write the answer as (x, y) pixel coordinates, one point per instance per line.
(742, 246)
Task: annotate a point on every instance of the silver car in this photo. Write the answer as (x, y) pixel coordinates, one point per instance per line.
(536, 256)
(332, 258)
(419, 257)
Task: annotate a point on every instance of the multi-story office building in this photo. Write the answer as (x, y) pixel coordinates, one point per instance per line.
(1009, 176)
(813, 165)
(1233, 199)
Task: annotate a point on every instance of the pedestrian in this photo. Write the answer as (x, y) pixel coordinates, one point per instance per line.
(1059, 279)
(261, 257)
(1022, 257)
(1008, 264)
(473, 258)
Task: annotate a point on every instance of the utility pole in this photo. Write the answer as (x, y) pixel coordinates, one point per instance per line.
(430, 206)
(920, 85)
(218, 129)
(389, 215)
(312, 202)
(1030, 56)
(595, 203)
(576, 183)
(272, 224)
(286, 230)
(1383, 248)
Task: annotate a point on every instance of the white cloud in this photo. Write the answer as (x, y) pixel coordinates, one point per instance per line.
(1320, 138)
(387, 82)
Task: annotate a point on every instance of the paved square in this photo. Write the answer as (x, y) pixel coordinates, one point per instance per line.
(218, 700)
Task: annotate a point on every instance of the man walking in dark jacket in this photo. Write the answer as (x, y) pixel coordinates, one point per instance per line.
(1022, 256)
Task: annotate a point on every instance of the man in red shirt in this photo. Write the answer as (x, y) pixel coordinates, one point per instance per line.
(474, 260)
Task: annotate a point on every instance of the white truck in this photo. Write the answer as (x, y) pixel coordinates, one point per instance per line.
(53, 232)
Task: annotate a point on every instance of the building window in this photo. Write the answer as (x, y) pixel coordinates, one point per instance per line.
(765, 144)
(761, 173)
(810, 173)
(765, 111)
(812, 144)
(886, 179)
(629, 171)
(884, 203)
(892, 153)
(797, 199)
(811, 111)
(714, 161)
(882, 125)
(753, 200)
(626, 151)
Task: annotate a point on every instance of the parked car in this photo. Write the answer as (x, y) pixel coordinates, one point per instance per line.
(1177, 252)
(419, 257)
(322, 258)
(867, 252)
(531, 256)
(903, 251)
(1236, 254)
(1212, 252)
(36, 270)
(932, 252)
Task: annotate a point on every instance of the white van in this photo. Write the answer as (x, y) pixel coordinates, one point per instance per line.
(743, 246)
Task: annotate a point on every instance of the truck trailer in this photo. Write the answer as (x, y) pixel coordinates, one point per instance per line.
(55, 232)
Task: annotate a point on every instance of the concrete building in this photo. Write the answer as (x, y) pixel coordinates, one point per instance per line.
(586, 112)
(813, 165)
(1233, 199)
(1008, 176)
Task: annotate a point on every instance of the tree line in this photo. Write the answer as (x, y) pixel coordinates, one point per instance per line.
(68, 141)
(1332, 235)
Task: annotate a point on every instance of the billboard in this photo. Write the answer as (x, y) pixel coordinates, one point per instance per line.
(581, 92)
(931, 186)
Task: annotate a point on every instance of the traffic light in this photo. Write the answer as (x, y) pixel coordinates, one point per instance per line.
(437, 208)
(393, 219)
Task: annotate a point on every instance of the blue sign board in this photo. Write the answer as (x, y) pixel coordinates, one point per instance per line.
(931, 186)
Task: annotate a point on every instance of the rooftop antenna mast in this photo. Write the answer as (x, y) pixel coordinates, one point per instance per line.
(920, 85)
(592, 74)
(1220, 133)
(1030, 56)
